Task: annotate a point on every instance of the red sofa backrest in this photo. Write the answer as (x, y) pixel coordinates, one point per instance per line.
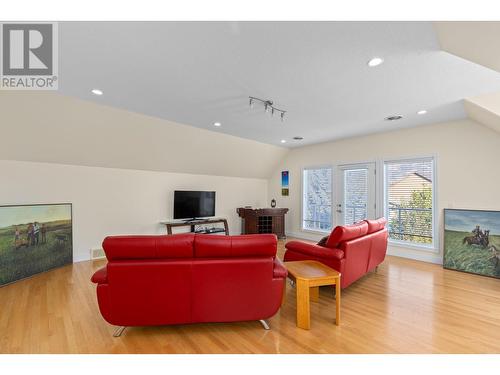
(378, 236)
(189, 245)
(364, 245)
(148, 247)
(210, 246)
(344, 233)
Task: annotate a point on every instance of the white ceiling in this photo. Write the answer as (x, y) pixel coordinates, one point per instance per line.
(197, 73)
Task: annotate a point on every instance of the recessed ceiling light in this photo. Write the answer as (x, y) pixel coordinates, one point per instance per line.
(422, 112)
(375, 61)
(97, 92)
(298, 138)
(393, 118)
(283, 141)
(217, 124)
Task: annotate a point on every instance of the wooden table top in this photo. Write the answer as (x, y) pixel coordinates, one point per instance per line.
(310, 270)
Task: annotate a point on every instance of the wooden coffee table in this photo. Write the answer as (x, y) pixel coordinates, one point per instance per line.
(309, 275)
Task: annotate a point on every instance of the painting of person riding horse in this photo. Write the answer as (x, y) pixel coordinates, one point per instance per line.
(472, 241)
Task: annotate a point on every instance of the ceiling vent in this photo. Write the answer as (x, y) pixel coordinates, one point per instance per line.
(393, 118)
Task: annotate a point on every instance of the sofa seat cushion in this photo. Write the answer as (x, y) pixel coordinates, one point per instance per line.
(346, 233)
(314, 250)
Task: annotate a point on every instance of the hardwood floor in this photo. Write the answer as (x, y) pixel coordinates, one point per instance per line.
(406, 307)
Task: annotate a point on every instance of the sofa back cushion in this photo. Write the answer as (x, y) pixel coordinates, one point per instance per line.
(376, 225)
(252, 245)
(346, 233)
(378, 248)
(149, 247)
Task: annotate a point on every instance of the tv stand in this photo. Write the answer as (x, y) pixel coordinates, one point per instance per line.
(193, 223)
(194, 219)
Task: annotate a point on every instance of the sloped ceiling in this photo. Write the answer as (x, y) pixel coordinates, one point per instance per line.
(48, 127)
(477, 41)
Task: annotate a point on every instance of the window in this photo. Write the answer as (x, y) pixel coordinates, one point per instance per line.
(409, 201)
(356, 195)
(317, 199)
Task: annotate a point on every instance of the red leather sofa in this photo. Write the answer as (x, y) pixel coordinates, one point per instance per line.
(353, 250)
(189, 278)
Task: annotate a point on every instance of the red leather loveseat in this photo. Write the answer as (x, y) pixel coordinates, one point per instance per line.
(353, 250)
(188, 278)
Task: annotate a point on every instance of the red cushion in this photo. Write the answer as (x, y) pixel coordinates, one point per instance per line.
(100, 276)
(175, 246)
(148, 247)
(314, 250)
(251, 245)
(376, 225)
(279, 271)
(347, 233)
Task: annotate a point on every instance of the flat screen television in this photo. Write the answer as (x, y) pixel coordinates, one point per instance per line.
(193, 204)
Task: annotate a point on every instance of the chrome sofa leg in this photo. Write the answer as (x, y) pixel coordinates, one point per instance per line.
(119, 331)
(265, 324)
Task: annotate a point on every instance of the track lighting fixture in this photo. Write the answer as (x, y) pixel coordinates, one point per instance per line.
(268, 106)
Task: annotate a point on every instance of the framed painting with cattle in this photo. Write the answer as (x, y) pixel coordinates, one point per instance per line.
(472, 241)
(34, 239)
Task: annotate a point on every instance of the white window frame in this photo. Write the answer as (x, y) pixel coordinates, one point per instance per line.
(434, 246)
(324, 166)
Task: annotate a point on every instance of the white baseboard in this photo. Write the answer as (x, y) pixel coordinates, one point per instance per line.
(415, 255)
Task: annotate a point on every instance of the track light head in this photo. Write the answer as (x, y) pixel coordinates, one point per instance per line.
(268, 106)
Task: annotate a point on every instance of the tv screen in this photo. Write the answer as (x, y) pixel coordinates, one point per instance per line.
(193, 204)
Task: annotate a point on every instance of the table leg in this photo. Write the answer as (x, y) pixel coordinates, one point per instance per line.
(314, 293)
(337, 301)
(303, 313)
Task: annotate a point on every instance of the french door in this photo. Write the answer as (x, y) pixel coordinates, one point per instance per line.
(355, 193)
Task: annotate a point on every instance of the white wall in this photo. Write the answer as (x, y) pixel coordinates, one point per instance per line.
(468, 169)
(109, 201)
(47, 127)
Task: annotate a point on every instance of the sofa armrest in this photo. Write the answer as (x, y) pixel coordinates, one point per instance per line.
(314, 250)
(100, 276)
(279, 270)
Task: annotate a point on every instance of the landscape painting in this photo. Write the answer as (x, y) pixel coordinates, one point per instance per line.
(284, 183)
(472, 241)
(34, 239)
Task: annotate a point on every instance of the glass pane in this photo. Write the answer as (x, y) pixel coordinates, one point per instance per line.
(355, 195)
(409, 200)
(317, 205)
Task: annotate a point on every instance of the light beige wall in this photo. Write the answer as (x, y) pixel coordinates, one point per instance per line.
(47, 127)
(468, 169)
(109, 201)
(484, 109)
